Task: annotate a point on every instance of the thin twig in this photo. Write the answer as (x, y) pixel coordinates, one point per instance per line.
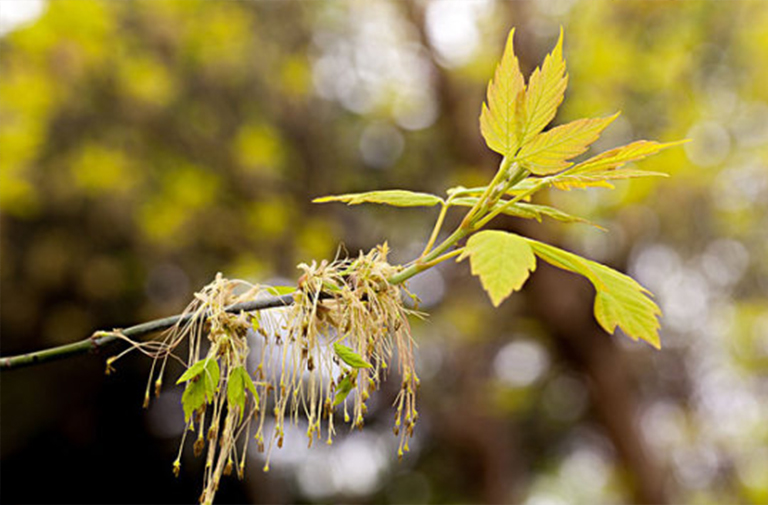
(101, 339)
(435, 230)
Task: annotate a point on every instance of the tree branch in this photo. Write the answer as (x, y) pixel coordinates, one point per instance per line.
(102, 339)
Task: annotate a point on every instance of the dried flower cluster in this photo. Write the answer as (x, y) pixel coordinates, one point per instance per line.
(328, 351)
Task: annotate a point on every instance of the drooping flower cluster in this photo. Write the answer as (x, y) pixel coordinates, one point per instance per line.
(317, 360)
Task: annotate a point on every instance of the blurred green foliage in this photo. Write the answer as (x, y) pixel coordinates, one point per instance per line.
(146, 145)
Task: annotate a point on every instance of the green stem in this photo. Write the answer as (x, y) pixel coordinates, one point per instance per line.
(428, 261)
(436, 229)
(482, 202)
(507, 204)
(444, 257)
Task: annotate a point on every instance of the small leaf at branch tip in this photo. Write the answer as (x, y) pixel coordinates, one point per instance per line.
(545, 93)
(499, 117)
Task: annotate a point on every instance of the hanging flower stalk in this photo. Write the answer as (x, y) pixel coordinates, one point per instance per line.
(321, 357)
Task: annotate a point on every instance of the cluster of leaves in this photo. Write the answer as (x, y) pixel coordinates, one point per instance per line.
(513, 122)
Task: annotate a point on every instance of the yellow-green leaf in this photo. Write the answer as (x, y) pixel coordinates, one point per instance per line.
(281, 290)
(211, 375)
(545, 92)
(342, 390)
(395, 197)
(554, 213)
(620, 301)
(192, 372)
(576, 182)
(600, 178)
(619, 156)
(514, 210)
(236, 388)
(526, 210)
(523, 186)
(499, 122)
(502, 260)
(349, 356)
(238, 382)
(193, 398)
(202, 380)
(250, 386)
(550, 151)
(208, 365)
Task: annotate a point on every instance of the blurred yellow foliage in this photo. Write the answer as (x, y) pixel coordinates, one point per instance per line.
(98, 169)
(295, 77)
(268, 218)
(259, 149)
(146, 80)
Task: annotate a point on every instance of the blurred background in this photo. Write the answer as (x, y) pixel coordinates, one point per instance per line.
(147, 145)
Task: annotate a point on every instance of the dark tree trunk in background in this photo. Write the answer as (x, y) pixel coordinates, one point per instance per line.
(563, 304)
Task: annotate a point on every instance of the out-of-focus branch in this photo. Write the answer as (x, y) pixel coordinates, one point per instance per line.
(102, 339)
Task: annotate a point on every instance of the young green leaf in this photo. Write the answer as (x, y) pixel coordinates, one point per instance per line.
(349, 356)
(238, 382)
(236, 389)
(621, 301)
(502, 260)
(514, 210)
(202, 380)
(395, 197)
(546, 89)
(211, 375)
(342, 390)
(549, 152)
(600, 178)
(554, 213)
(619, 156)
(281, 290)
(193, 398)
(527, 210)
(499, 116)
(192, 372)
(250, 386)
(521, 187)
(208, 368)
